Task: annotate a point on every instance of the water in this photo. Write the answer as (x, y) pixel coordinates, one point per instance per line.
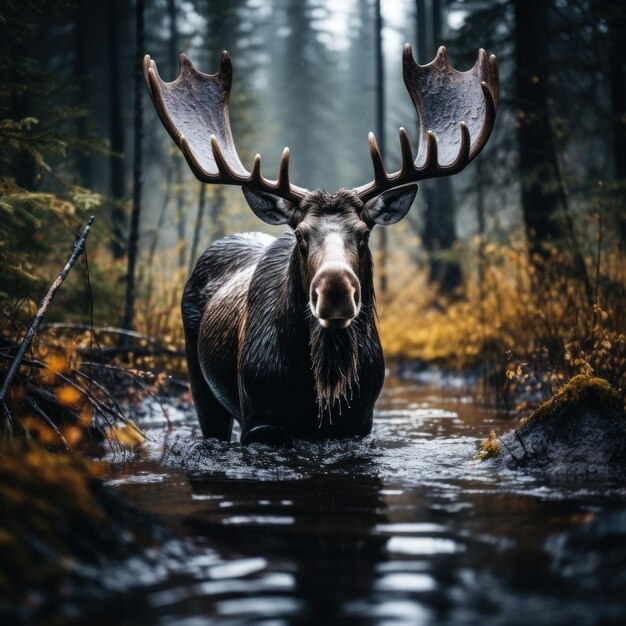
(404, 527)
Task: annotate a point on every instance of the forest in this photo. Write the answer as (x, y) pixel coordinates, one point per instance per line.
(498, 301)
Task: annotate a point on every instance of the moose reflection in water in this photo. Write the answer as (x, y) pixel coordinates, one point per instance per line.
(322, 532)
(281, 333)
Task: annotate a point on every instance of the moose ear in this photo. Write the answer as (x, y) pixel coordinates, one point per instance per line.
(270, 208)
(390, 207)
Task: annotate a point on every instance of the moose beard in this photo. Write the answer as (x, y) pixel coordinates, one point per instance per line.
(334, 361)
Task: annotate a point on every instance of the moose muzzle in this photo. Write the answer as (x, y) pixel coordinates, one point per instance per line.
(335, 296)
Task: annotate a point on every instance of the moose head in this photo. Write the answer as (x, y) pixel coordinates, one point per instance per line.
(456, 112)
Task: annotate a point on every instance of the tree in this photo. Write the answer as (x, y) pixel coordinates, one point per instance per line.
(116, 131)
(614, 17)
(540, 184)
(129, 310)
(380, 134)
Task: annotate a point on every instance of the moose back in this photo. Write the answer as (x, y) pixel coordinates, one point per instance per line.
(281, 332)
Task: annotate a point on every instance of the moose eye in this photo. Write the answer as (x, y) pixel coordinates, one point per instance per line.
(365, 237)
(302, 243)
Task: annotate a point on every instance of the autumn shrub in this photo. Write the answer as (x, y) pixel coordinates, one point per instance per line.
(528, 323)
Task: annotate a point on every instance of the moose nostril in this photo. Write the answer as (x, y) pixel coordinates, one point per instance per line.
(315, 294)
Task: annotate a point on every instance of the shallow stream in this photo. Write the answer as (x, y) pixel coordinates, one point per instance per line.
(404, 527)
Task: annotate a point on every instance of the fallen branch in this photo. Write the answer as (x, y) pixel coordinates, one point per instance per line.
(79, 246)
(110, 330)
(97, 404)
(113, 351)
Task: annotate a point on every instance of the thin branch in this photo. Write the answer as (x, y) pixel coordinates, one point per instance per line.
(48, 421)
(111, 330)
(137, 351)
(79, 245)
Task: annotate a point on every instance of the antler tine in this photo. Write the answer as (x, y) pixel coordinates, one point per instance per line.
(196, 105)
(464, 150)
(227, 175)
(380, 174)
(406, 152)
(283, 171)
(472, 99)
(431, 165)
(255, 174)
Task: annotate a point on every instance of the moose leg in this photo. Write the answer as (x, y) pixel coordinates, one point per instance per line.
(215, 420)
(265, 412)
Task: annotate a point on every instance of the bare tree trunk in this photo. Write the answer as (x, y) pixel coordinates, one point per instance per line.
(380, 136)
(81, 70)
(216, 212)
(116, 123)
(480, 218)
(615, 17)
(543, 191)
(540, 197)
(133, 239)
(198, 227)
(181, 218)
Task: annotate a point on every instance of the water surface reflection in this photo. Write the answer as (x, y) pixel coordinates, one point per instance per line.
(402, 528)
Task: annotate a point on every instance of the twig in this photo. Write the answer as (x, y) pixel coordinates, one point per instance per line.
(517, 435)
(111, 330)
(79, 245)
(509, 450)
(48, 421)
(134, 376)
(137, 351)
(95, 402)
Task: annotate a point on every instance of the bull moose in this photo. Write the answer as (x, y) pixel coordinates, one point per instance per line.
(281, 332)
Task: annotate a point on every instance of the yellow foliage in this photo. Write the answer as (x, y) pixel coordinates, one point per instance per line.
(490, 448)
(69, 395)
(55, 364)
(530, 324)
(127, 435)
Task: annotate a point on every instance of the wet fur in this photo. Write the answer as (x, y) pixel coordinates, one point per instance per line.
(257, 355)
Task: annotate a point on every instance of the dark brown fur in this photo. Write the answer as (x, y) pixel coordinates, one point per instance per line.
(257, 353)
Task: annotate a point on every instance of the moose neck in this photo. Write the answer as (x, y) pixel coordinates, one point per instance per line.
(335, 354)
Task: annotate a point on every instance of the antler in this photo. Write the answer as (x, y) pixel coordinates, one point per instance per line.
(456, 112)
(194, 110)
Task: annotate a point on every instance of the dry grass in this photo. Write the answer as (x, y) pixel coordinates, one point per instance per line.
(531, 323)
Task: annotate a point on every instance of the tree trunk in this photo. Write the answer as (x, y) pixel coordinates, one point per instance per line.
(380, 136)
(81, 70)
(138, 86)
(540, 186)
(543, 191)
(198, 227)
(181, 218)
(216, 212)
(439, 234)
(616, 20)
(116, 132)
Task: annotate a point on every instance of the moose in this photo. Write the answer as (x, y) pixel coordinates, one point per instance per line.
(281, 332)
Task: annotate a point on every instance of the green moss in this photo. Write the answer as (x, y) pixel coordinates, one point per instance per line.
(581, 391)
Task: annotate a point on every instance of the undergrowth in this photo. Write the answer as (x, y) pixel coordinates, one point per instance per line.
(527, 325)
